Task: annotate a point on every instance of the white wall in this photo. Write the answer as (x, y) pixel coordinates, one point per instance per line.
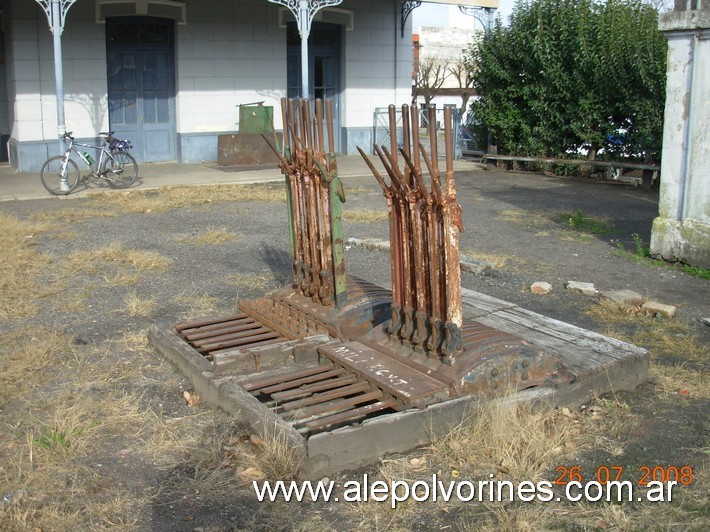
(30, 66)
(374, 77)
(228, 54)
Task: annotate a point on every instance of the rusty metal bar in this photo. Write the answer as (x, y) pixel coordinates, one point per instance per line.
(338, 405)
(303, 380)
(348, 415)
(308, 389)
(424, 226)
(221, 331)
(315, 399)
(257, 384)
(194, 324)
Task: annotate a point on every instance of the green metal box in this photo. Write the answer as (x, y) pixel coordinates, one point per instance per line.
(256, 118)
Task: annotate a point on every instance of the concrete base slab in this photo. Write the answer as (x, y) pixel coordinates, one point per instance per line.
(598, 365)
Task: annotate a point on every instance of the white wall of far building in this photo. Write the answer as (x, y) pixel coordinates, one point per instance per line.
(377, 62)
(31, 87)
(227, 54)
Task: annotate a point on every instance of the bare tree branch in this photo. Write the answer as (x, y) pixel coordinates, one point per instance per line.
(433, 72)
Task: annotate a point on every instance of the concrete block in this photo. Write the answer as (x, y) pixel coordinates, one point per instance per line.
(541, 288)
(624, 297)
(655, 309)
(583, 288)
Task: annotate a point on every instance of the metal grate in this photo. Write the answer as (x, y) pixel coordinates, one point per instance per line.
(320, 398)
(218, 335)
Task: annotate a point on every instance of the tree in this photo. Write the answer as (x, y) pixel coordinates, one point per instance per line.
(573, 74)
(431, 76)
(462, 72)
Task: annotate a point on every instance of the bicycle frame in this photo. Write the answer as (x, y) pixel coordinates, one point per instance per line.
(95, 170)
(115, 166)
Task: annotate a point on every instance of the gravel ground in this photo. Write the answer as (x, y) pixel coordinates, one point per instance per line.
(510, 215)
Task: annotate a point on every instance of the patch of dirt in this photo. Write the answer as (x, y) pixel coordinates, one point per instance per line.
(130, 453)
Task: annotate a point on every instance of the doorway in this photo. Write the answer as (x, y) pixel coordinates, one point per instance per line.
(141, 85)
(323, 66)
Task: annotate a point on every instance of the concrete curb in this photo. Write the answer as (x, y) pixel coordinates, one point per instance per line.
(468, 264)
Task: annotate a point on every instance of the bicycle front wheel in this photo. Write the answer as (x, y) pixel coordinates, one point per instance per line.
(57, 178)
(120, 170)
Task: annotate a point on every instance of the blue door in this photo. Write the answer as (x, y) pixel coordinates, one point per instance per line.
(323, 66)
(141, 85)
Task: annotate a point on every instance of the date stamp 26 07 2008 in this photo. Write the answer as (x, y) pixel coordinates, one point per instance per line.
(657, 482)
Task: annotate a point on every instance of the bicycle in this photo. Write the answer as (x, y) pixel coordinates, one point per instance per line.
(60, 174)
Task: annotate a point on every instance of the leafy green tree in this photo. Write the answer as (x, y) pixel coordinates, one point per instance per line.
(573, 74)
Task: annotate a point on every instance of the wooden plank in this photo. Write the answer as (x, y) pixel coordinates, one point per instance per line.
(404, 382)
(579, 162)
(582, 352)
(476, 304)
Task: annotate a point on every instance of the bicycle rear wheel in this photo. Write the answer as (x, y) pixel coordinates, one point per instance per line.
(51, 175)
(120, 170)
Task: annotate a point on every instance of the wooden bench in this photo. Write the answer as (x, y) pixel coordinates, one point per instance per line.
(649, 171)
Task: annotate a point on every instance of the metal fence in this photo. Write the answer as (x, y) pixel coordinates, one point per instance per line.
(381, 127)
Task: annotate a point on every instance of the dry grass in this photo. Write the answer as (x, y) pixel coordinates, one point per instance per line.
(116, 254)
(532, 219)
(73, 302)
(675, 381)
(675, 339)
(122, 278)
(138, 306)
(254, 458)
(198, 306)
(505, 438)
(46, 459)
(166, 198)
(258, 282)
(364, 216)
(513, 518)
(26, 353)
(21, 267)
(496, 260)
(211, 237)
(65, 217)
(662, 336)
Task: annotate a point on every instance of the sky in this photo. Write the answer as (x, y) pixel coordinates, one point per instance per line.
(444, 16)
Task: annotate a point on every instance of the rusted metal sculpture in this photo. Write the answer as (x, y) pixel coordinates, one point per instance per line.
(424, 234)
(314, 194)
(376, 351)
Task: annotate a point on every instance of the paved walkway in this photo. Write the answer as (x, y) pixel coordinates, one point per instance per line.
(23, 185)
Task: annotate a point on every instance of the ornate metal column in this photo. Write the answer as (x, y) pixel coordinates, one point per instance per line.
(56, 11)
(477, 13)
(304, 11)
